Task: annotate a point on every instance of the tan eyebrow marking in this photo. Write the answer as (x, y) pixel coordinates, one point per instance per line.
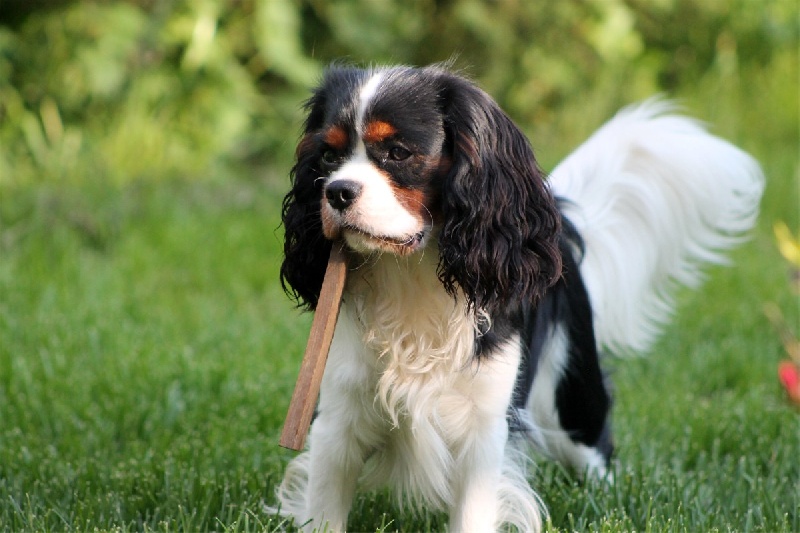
(378, 130)
(336, 137)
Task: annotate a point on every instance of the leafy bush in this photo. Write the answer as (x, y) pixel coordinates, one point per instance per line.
(121, 91)
(111, 89)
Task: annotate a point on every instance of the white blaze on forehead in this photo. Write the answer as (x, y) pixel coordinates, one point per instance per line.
(365, 95)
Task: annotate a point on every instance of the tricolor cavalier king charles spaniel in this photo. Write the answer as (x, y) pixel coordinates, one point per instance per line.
(480, 291)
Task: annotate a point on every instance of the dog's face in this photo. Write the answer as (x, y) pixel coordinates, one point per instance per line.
(393, 160)
(380, 154)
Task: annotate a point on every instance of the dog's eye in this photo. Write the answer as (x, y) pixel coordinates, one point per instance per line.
(398, 153)
(330, 157)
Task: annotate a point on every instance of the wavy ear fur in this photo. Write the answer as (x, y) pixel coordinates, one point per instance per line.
(499, 240)
(305, 248)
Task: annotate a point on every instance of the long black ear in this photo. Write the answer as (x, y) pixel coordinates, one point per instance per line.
(499, 239)
(305, 248)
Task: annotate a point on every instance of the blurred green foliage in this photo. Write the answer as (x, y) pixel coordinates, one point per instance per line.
(157, 88)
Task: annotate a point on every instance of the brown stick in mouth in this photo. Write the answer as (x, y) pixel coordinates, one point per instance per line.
(309, 380)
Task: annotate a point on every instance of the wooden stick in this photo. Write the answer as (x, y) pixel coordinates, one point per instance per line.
(306, 390)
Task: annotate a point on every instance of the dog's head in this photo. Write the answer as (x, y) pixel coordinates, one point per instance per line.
(401, 159)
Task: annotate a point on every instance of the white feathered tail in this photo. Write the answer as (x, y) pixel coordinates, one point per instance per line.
(654, 196)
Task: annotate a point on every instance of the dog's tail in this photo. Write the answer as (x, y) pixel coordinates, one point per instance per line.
(654, 196)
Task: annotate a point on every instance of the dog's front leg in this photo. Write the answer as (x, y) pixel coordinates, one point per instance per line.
(479, 467)
(335, 464)
(337, 442)
(481, 447)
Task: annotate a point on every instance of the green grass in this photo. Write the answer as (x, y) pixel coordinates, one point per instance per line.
(147, 356)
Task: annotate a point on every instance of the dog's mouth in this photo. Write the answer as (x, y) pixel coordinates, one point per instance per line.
(362, 241)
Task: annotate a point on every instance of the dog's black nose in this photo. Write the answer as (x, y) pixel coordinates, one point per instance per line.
(342, 193)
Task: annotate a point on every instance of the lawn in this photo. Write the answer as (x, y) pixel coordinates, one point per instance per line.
(147, 357)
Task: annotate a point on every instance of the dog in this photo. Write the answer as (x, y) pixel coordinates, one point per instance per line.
(480, 291)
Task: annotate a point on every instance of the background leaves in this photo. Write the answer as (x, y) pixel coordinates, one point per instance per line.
(152, 90)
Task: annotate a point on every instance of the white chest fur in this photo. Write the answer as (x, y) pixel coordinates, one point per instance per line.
(402, 375)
